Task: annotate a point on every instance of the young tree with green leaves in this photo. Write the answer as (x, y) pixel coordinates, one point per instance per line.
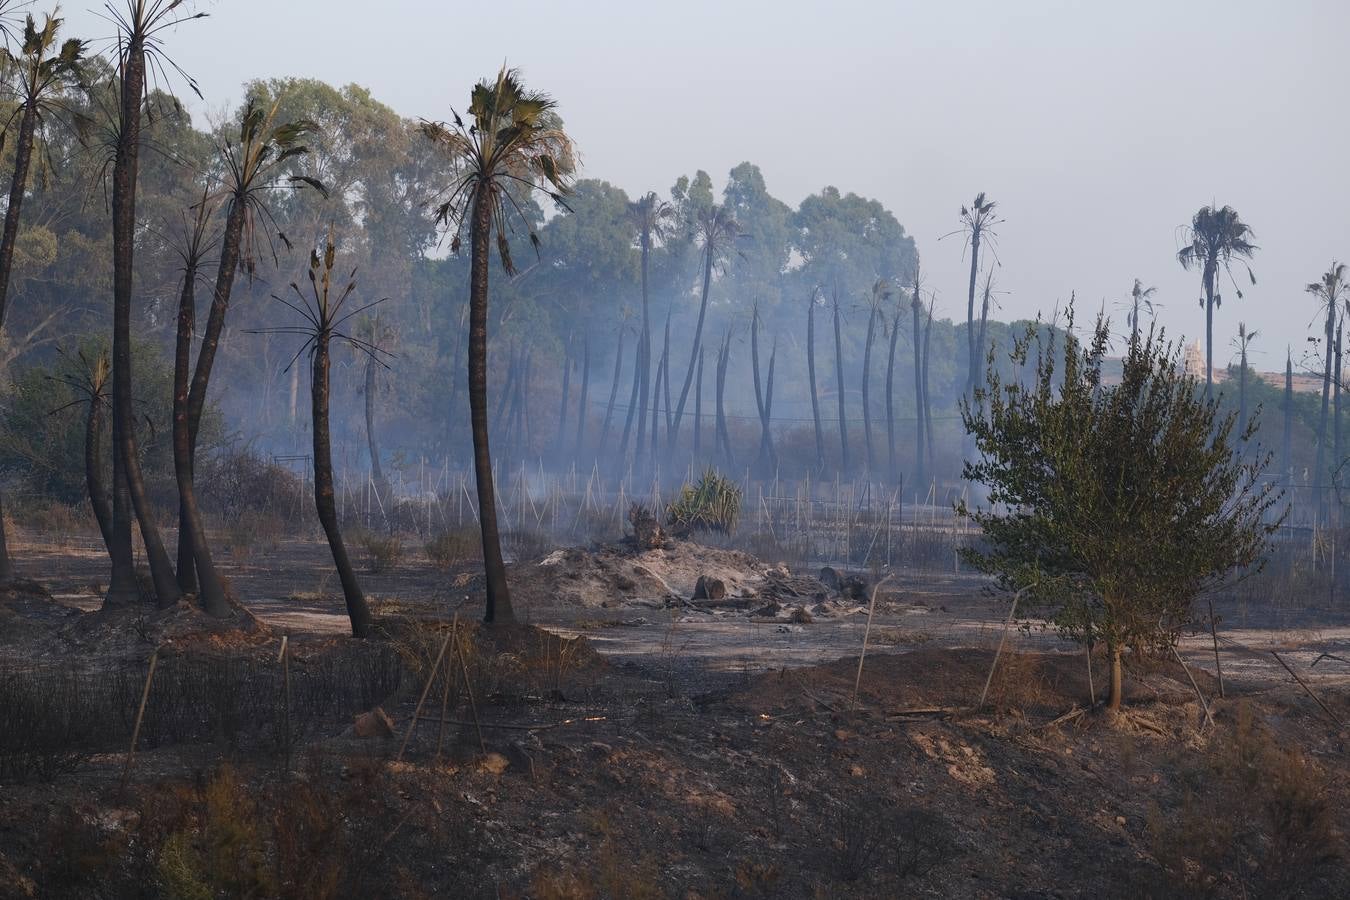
(1113, 507)
(515, 144)
(37, 75)
(1214, 240)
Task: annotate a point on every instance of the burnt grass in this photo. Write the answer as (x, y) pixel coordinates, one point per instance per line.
(584, 779)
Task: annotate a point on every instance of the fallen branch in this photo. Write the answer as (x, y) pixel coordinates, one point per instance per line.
(1199, 696)
(1303, 684)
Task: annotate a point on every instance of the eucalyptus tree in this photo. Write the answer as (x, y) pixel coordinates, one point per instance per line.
(253, 167)
(717, 231)
(653, 221)
(39, 70)
(323, 309)
(1141, 298)
(1215, 239)
(515, 143)
(139, 24)
(1331, 291)
(977, 224)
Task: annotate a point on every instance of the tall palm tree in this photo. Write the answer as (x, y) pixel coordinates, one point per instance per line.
(977, 223)
(1214, 240)
(514, 142)
(1141, 298)
(717, 230)
(38, 75)
(1330, 292)
(89, 379)
(139, 24)
(881, 291)
(1287, 406)
(323, 309)
(253, 168)
(653, 221)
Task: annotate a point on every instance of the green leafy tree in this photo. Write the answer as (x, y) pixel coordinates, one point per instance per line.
(1113, 507)
(514, 145)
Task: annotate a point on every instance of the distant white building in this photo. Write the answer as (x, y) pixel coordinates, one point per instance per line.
(1194, 359)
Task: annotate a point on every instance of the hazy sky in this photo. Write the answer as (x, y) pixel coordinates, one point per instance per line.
(1099, 127)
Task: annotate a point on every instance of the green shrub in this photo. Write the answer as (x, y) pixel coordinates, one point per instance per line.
(713, 504)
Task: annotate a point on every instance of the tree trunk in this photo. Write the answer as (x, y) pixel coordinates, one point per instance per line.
(129, 486)
(562, 403)
(642, 374)
(1287, 447)
(866, 390)
(970, 311)
(498, 609)
(927, 393)
(1336, 403)
(980, 352)
(635, 398)
(839, 382)
(674, 435)
(1320, 468)
(1242, 393)
(916, 306)
(1210, 272)
(656, 409)
(372, 442)
(698, 407)
(324, 504)
(890, 399)
(767, 462)
(811, 375)
(613, 395)
(23, 154)
(723, 436)
(196, 569)
(585, 391)
(667, 360)
(1117, 680)
(93, 468)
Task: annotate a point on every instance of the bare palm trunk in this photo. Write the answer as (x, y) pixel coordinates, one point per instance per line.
(585, 391)
(927, 392)
(562, 403)
(196, 569)
(667, 360)
(129, 487)
(916, 305)
(1242, 391)
(1210, 272)
(635, 398)
(93, 468)
(1318, 471)
(357, 609)
(498, 609)
(698, 407)
(890, 399)
(765, 463)
(613, 396)
(372, 441)
(972, 356)
(674, 434)
(723, 436)
(1287, 446)
(1336, 402)
(866, 390)
(844, 465)
(811, 375)
(642, 375)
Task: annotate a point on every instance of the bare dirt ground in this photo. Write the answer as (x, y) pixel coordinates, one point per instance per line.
(715, 752)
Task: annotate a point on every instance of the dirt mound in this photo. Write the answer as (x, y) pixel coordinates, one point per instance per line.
(618, 575)
(30, 619)
(135, 630)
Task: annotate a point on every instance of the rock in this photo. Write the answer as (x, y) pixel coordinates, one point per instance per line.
(709, 588)
(373, 724)
(800, 616)
(829, 576)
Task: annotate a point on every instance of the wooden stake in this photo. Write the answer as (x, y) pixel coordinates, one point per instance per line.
(468, 689)
(285, 659)
(867, 630)
(1191, 678)
(1304, 685)
(1007, 623)
(140, 714)
(1214, 633)
(435, 667)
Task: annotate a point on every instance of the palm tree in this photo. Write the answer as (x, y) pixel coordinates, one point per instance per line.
(767, 463)
(89, 378)
(1287, 445)
(916, 308)
(1140, 298)
(723, 435)
(977, 223)
(139, 24)
(40, 73)
(585, 394)
(839, 387)
(1330, 291)
(514, 141)
(1215, 238)
(1244, 340)
(717, 229)
(894, 326)
(378, 332)
(322, 308)
(811, 374)
(881, 291)
(653, 220)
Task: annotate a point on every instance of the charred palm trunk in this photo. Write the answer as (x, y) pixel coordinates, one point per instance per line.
(613, 395)
(666, 361)
(196, 569)
(634, 400)
(1210, 272)
(980, 352)
(324, 504)
(642, 374)
(1287, 445)
(972, 358)
(811, 375)
(866, 390)
(723, 436)
(890, 399)
(23, 154)
(1242, 392)
(916, 306)
(927, 393)
(845, 463)
(1336, 404)
(93, 467)
(372, 441)
(766, 463)
(498, 609)
(674, 436)
(698, 408)
(1319, 470)
(128, 484)
(562, 403)
(585, 391)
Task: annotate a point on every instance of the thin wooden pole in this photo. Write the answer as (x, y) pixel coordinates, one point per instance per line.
(1304, 685)
(867, 631)
(285, 658)
(1214, 633)
(140, 714)
(468, 689)
(1191, 678)
(1007, 623)
(423, 699)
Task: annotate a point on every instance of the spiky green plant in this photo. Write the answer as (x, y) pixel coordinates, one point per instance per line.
(713, 504)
